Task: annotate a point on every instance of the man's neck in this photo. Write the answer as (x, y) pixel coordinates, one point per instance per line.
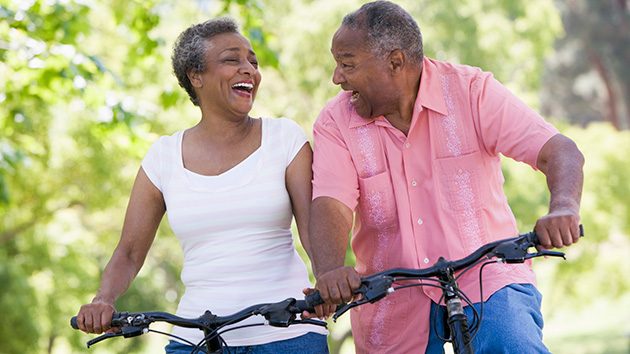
(402, 117)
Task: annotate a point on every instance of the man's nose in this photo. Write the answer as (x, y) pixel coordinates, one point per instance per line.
(338, 78)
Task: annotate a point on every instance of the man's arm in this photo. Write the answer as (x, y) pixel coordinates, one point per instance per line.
(329, 226)
(561, 161)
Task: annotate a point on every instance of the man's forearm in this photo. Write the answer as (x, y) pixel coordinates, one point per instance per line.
(561, 162)
(329, 227)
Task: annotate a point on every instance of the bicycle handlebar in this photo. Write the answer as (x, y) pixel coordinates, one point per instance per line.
(511, 250)
(278, 314)
(275, 312)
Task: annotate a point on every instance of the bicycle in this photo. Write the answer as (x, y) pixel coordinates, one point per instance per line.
(442, 275)
(279, 314)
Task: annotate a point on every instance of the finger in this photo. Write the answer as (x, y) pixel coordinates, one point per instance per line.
(335, 294)
(555, 235)
(106, 320)
(88, 323)
(319, 311)
(97, 325)
(346, 291)
(575, 232)
(567, 237)
(323, 292)
(81, 321)
(354, 281)
(330, 310)
(543, 236)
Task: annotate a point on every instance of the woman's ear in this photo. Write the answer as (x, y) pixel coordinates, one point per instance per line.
(195, 78)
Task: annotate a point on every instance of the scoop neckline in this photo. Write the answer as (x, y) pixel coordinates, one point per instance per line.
(243, 162)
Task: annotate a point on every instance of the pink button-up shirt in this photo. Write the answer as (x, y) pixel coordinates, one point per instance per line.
(436, 192)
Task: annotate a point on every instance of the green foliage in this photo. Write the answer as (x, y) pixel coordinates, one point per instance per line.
(86, 87)
(596, 266)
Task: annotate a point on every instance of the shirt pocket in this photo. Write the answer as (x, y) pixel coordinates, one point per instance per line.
(379, 327)
(463, 194)
(460, 181)
(377, 203)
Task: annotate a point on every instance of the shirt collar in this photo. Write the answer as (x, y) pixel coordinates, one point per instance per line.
(430, 95)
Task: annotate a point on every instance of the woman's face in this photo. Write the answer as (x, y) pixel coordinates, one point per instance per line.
(231, 78)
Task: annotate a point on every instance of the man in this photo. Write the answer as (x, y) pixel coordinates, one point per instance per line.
(410, 150)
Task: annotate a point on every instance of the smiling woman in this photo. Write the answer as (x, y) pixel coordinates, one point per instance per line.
(231, 185)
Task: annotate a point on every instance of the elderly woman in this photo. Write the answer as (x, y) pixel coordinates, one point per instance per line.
(231, 185)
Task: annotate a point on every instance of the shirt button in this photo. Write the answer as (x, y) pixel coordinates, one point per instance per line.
(407, 145)
(420, 222)
(426, 260)
(414, 183)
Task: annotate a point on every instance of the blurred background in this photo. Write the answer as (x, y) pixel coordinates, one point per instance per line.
(86, 87)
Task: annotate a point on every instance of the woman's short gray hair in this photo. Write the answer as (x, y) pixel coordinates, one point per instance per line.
(190, 50)
(389, 27)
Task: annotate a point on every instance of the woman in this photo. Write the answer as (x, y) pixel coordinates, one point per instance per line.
(231, 185)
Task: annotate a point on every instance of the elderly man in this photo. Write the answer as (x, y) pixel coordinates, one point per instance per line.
(410, 151)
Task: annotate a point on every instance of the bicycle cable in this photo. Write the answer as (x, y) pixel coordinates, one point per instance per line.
(216, 334)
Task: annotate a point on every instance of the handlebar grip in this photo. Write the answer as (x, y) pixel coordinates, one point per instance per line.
(73, 322)
(533, 237)
(313, 299)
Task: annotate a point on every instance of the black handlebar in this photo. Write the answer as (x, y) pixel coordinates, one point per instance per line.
(511, 250)
(279, 314)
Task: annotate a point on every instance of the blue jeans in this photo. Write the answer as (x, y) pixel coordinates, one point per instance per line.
(309, 343)
(512, 323)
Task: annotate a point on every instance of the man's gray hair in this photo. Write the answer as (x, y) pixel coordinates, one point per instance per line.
(190, 50)
(388, 27)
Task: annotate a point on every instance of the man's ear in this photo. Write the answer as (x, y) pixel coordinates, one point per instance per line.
(195, 78)
(397, 60)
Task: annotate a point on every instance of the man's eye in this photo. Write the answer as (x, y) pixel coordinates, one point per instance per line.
(346, 66)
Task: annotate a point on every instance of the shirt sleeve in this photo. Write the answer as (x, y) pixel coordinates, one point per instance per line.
(334, 174)
(152, 164)
(506, 124)
(294, 138)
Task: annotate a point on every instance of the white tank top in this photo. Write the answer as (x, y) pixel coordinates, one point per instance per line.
(235, 232)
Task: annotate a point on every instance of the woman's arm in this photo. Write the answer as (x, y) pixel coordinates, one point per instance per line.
(144, 213)
(298, 181)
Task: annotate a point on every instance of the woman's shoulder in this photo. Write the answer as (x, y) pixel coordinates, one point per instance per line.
(282, 125)
(168, 141)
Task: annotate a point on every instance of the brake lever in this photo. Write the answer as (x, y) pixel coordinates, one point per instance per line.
(371, 290)
(127, 332)
(343, 309)
(102, 337)
(311, 321)
(542, 253)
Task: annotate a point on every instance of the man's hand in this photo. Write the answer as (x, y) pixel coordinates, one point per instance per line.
(321, 311)
(338, 285)
(559, 228)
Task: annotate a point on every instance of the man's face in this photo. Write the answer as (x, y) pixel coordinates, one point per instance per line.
(358, 70)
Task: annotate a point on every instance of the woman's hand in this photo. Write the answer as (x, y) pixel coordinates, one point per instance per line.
(96, 317)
